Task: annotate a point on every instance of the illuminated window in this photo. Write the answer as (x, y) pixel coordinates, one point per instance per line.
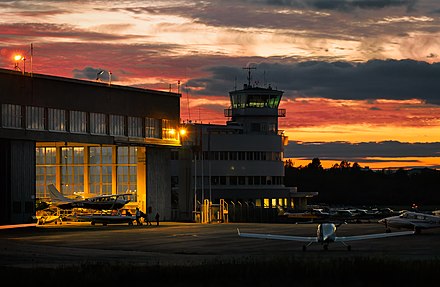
(274, 202)
(257, 202)
(169, 130)
(72, 170)
(56, 120)
(78, 122)
(45, 158)
(98, 124)
(11, 116)
(34, 118)
(126, 169)
(100, 170)
(266, 202)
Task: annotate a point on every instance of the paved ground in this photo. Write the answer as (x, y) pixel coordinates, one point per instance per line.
(175, 243)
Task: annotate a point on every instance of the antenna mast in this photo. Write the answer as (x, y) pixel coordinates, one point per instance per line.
(187, 102)
(249, 74)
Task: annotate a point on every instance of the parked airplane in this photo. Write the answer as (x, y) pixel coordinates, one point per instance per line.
(105, 219)
(325, 234)
(101, 202)
(411, 220)
(302, 216)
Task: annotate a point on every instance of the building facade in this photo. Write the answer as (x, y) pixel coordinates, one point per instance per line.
(83, 136)
(240, 162)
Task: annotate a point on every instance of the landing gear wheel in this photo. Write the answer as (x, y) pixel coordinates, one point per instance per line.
(93, 223)
(349, 247)
(304, 248)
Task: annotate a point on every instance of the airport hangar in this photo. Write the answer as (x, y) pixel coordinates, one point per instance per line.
(83, 136)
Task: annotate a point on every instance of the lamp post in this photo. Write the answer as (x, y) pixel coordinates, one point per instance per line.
(17, 59)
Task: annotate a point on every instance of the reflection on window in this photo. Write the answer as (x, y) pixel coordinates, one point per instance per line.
(117, 125)
(56, 120)
(35, 118)
(78, 122)
(152, 128)
(98, 124)
(134, 127)
(11, 116)
(169, 130)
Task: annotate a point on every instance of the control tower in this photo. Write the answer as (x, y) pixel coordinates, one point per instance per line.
(255, 108)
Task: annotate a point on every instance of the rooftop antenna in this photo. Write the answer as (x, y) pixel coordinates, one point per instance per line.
(264, 78)
(249, 74)
(187, 102)
(32, 54)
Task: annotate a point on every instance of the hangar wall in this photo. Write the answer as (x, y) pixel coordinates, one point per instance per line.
(17, 183)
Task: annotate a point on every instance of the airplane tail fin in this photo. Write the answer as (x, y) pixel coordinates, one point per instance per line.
(55, 195)
(280, 210)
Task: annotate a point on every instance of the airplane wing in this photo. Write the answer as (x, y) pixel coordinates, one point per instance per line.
(372, 236)
(111, 195)
(278, 237)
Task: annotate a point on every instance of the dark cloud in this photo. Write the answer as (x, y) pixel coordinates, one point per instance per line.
(96, 74)
(57, 31)
(375, 79)
(344, 5)
(353, 151)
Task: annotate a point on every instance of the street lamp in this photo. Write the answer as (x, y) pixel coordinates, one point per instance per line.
(17, 59)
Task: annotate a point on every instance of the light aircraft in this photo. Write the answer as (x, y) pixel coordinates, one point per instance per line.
(100, 202)
(411, 220)
(105, 219)
(325, 234)
(302, 216)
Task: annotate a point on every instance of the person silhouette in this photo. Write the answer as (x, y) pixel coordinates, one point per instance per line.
(157, 218)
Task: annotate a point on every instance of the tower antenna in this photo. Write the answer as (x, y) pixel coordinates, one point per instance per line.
(187, 102)
(249, 73)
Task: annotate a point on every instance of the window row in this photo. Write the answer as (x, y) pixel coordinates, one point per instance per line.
(241, 180)
(235, 155)
(59, 120)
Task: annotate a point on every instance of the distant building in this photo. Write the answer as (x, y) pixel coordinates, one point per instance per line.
(240, 162)
(83, 136)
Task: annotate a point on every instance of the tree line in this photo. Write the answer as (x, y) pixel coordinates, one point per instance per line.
(350, 184)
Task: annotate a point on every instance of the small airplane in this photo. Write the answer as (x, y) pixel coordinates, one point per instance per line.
(105, 219)
(325, 234)
(411, 220)
(101, 202)
(302, 216)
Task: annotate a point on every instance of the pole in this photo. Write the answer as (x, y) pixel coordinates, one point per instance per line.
(195, 186)
(209, 165)
(202, 165)
(32, 55)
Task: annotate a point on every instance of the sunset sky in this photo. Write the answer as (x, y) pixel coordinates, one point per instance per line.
(361, 78)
